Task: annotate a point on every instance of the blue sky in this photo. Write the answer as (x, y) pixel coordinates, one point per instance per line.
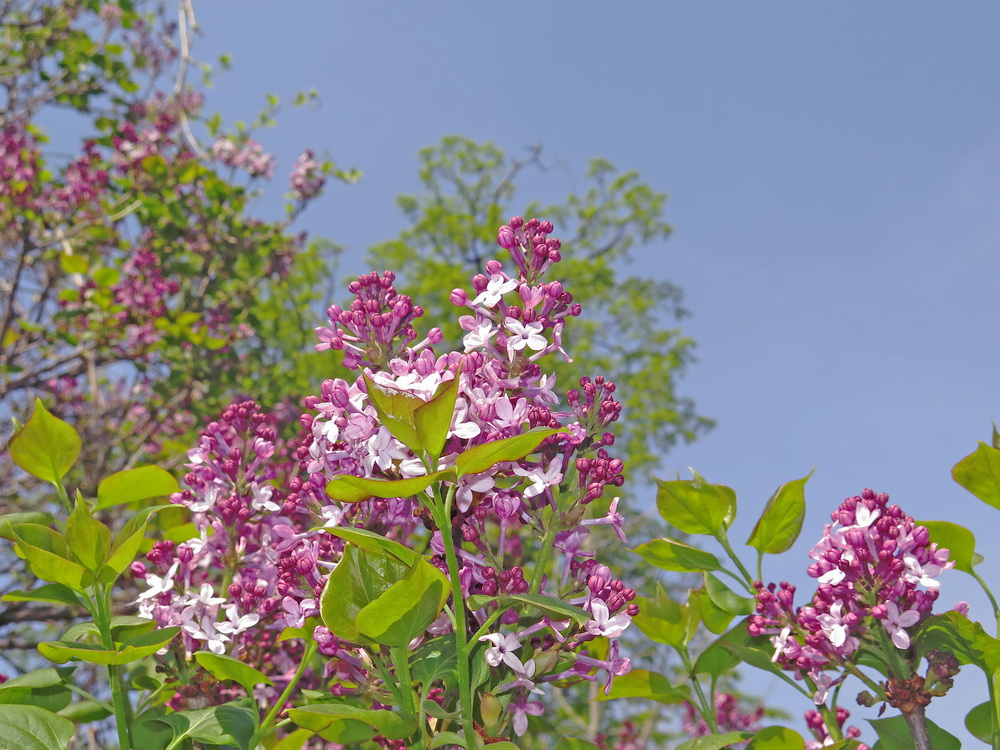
(834, 172)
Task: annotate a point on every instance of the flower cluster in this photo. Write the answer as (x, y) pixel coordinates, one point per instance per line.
(307, 177)
(250, 157)
(877, 572)
(502, 392)
(521, 526)
(251, 566)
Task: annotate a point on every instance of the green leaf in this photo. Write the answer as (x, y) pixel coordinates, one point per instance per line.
(780, 523)
(228, 668)
(319, 716)
(351, 489)
(664, 620)
(696, 507)
(53, 593)
(555, 609)
(967, 640)
(572, 743)
(433, 419)
(725, 599)
(713, 617)
(641, 683)
(33, 728)
(369, 541)
(48, 556)
(130, 539)
(670, 554)
(149, 733)
(295, 740)
(359, 579)
(349, 732)
(228, 724)
(85, 711)
(979, 722)
(131, 650)
(714, 741)
(959, 541)
(141, 483)
(482, 457)
(407, 608)
(979, 473)
(718, 659)
(777, 738)
(46, 447)
(87, 538)
(446, 738)
(7, 520)
(395, 408)
(435, 660)
(894, 734)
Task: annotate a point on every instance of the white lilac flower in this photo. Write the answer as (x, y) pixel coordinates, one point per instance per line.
(496, 287)
(895, 622)
(502, 650)
(603, 624)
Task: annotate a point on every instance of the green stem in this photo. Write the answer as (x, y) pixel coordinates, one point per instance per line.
(442, 517)
(994, 684)
(543, 559)
(119, 696)
(706, 709)
(748, 579)
(266, 725)
(993, 602)
(485, 628)
(401, 661)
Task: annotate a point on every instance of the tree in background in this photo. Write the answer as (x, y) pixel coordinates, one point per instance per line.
(470, 188)
(138, 290)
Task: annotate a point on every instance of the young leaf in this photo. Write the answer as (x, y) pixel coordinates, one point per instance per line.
(714, 741)
(717, 659)
(87, 538)
(780, 523)
(8, 520)
(572, 743)
(979, 722)
(641, 683)
(433, 419)
(351, 489)
(360, 578)
(319, 716)
(406, 609)
(894, 734)
(960, 542)
(228, 724)
(48, 556)
(129, 541)
(129, 651)
(227, 668)
(135, 484)
(482, 457)
(696, 507)
(724, 598)
(46, 447)
(395, 409)
(777, 738)
(714, 618)
(670, 554)
(664, 621)
(369, 541)
(979, 473)
(53, 593)
(33, 728)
